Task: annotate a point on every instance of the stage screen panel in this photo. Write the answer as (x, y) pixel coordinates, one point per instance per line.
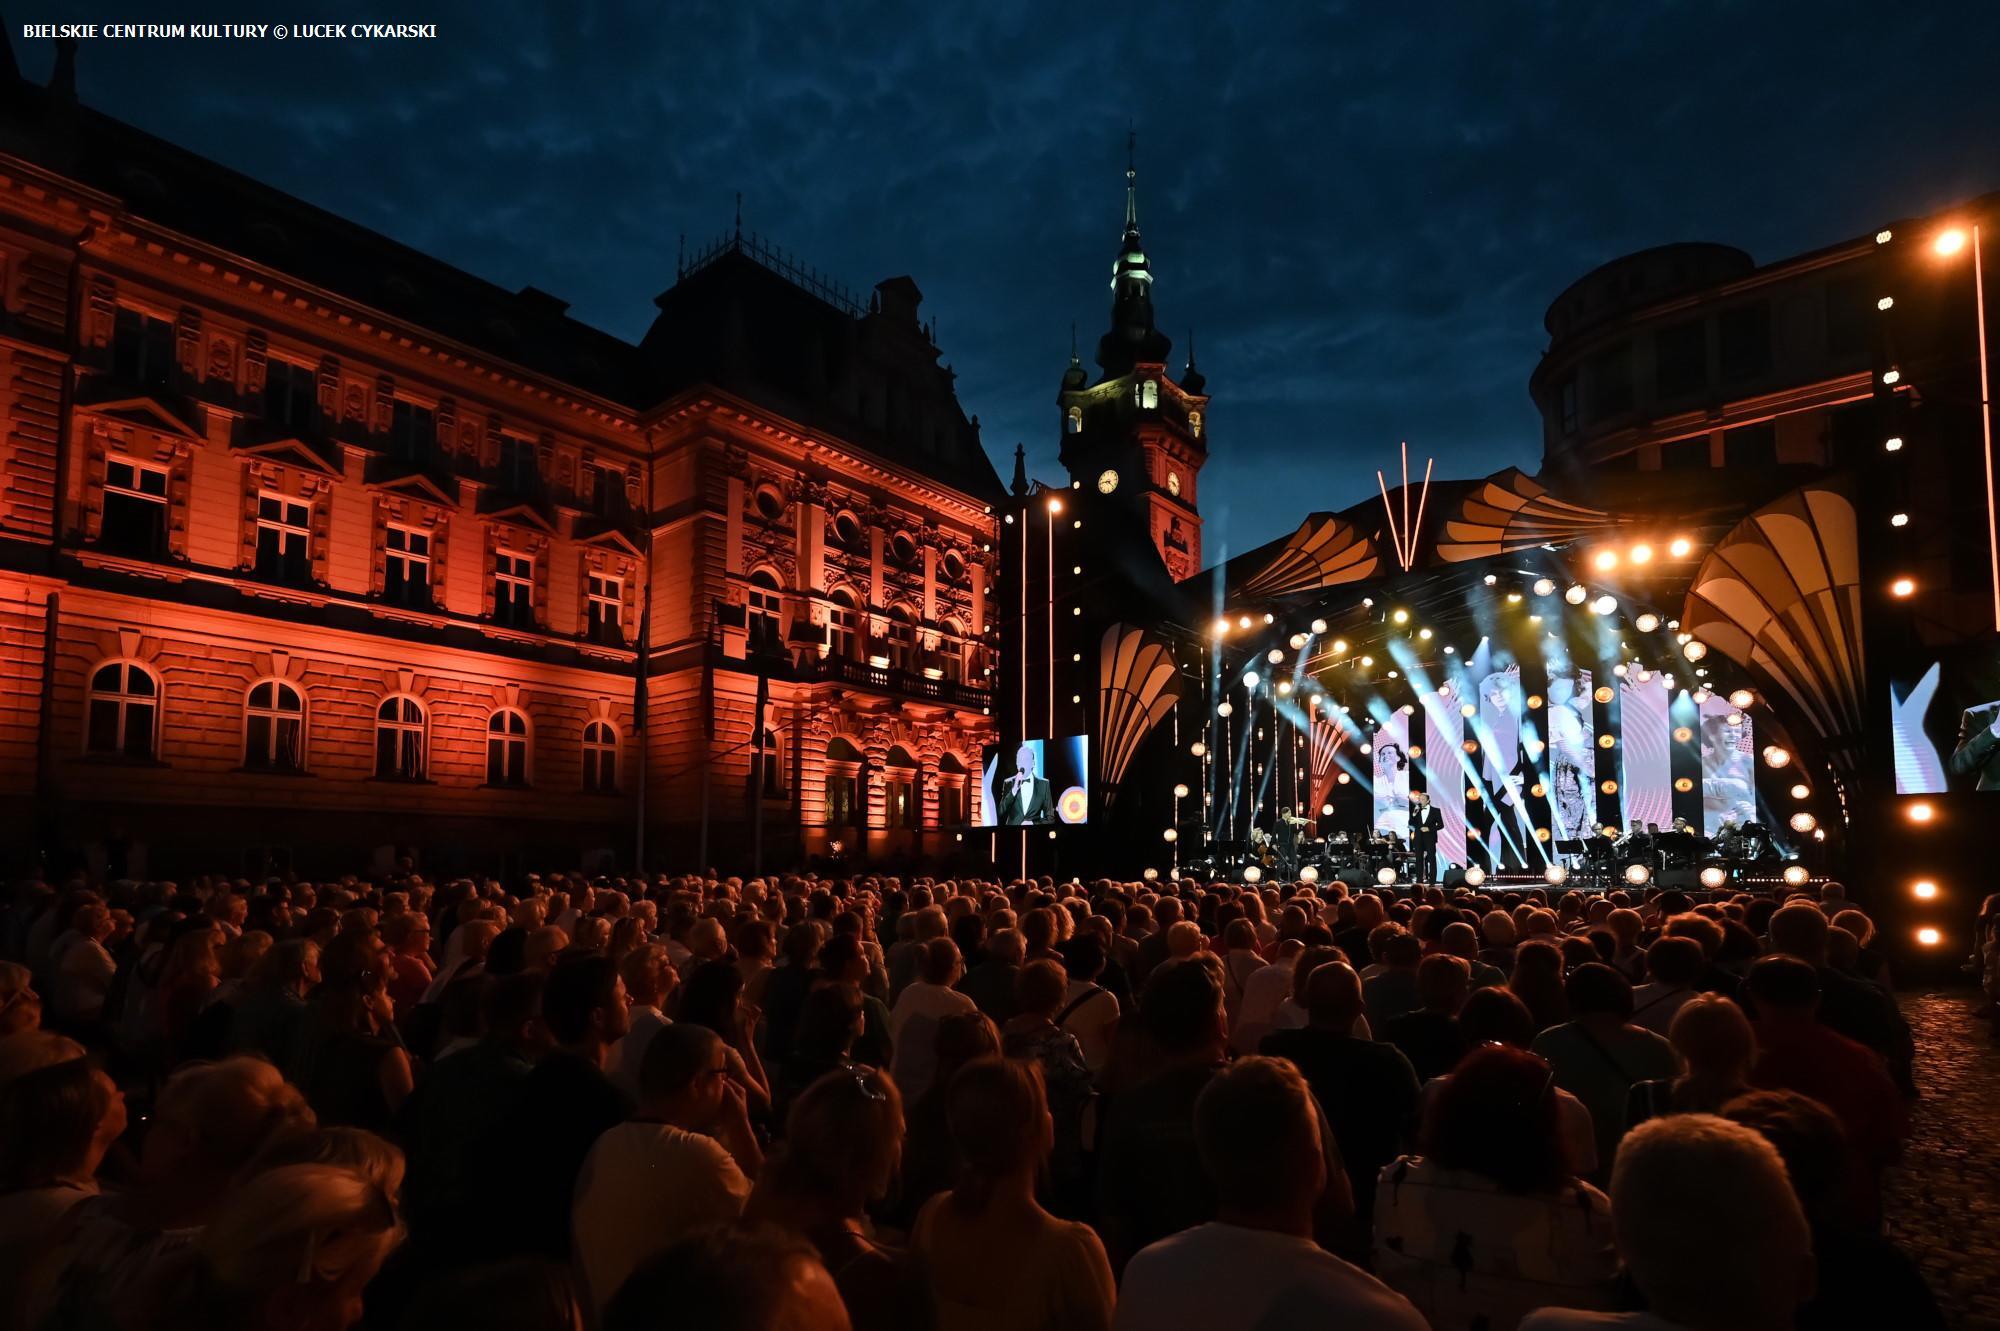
(1646, 785)
(1572, 755)
(1728, 766)
(1445, 764)
(1035, 783)
(1392, 776)
(1941, 723)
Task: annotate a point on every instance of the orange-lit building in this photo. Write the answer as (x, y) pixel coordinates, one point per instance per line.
(314, 549)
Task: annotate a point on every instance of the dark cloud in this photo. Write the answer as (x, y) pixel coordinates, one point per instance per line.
(1362, 211)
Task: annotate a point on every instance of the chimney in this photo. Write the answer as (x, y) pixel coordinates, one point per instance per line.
(62, 79)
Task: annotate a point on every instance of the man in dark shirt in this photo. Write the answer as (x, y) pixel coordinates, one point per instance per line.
(1428, 1035)
(564, 1105)
(990, 984)
(1150, 1182)
(1153, 947)
(1852, 1006)
(1367, 1090)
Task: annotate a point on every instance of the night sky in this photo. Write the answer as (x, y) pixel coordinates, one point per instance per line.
(1362, 211)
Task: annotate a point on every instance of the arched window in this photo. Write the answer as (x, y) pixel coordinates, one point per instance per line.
(274, 728)
(951, 651)
(1075, 419)
(1149, 394)
(766, 611)
(843, 784)
(902, 805)
(951, 791)
(507, 748)
(902, 639)
(124, 711)
(600, 757)
(772, 770)
(401, 746)
(843, 641)
(1194, 424)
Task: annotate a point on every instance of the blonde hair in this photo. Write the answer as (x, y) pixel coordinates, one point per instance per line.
(233, 1108)
(375, 1159)
(1713, 1036)
(307, 1224)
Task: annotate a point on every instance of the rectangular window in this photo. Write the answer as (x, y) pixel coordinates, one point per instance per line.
(142, 349)
(1680, 359)
(841, 800)
(412, 432)
(406, 572)
(291, 396)
(604, 490)
(606, 598)
(1751, 446)
(284, 536)
(904, 808)
(519, 468)
(135, 509)
(951, 806)
(1744, 335)
(514, 590)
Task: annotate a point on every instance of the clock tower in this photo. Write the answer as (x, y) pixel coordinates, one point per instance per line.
(1138, 436)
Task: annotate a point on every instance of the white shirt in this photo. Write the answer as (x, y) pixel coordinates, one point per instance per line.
(1024, 790)
(1218, 1277)
(1257, 1013)
(1092, 1021)
(913, 1027)
(629, 1050)
(643, 1186)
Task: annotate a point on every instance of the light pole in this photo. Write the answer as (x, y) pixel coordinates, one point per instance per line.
(1947, 244)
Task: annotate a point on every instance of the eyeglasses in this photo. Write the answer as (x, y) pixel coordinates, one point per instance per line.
(865, 1082)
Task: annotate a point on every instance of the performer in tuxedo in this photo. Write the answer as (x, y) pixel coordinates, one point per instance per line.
(1424, 823)
(1978, 748)
(1025, 797)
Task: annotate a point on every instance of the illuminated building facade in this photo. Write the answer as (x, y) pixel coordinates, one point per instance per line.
(314, 546)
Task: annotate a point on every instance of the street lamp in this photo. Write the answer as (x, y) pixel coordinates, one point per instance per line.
(1946, 245)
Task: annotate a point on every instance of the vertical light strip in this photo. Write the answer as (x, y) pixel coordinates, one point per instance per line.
(1986, 423)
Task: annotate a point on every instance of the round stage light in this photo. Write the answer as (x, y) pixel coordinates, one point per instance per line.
(1298, 641)
(1270, 618)
(1343, 778)
(1643, 675)
(1742, 698)
(1541, 834)
(1339, 647)
(1533, 747)
(1606, 742)
(1819, 834)
(1309, 874)
(1385, 876)
(1899, 519)
(1929, 937)
(1472, 794)
(1449, 649)
(1544, 586)
(1641, 554)
(1474, 875)
(1400, 616)
(1284, 689)
(1490, 579)
(1647, 622)
(1424, 634)
(1604, 605)
(1319, 626)
(1733, 719)
(1513, 598)
(1367, 661)
(1902, 587)
(1534, 701)
(1921, 812)
(1577, 594)
(1775, 756)
(1796, 875)
(1326, 810)
(1924, 889)
(1556, 875)
(1244, 622)
(1470, 746)
(1367, 748)
(1151, 875)
(1224, 709)
(1538, 790)
(1250, 678)
(1275, 656)
(1180, 791)
(1198, 749)
(1803, 822)
(1221, 628)
(1694, 651)
(1801, 791)
(1714, 876)
(1608, 787)
(1680, 547)
(1638, 874)
(1170, 835)
(1621, 670)
(1252, 874)
(1684, 784)
(1949, 242)
(1606, 560)
(1892, 377)
(1468, 711)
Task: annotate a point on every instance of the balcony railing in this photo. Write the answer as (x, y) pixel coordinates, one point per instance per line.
(859, 674)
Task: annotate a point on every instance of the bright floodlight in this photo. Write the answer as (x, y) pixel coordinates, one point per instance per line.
(1474, 875)
(1326, 810)
(1949, 242)
(1298, 640)
(1543, 586)
(1774, 756)
(1221, 628)
(1401, 617)
(1577, 594)
(1638, 874)
(1924, 889)
(1640, 553)
(1151, 875)
(1556, 875)
(1180, 791)
(1741, 698)
(1801, 791)
(1244, 622)
(1251, 873)
(1385, 876)
(1903, 587)
(1198, 749)
(1804, 822)
(1319, 626)
(1647, 622)
(1170, 835)
(1680, 547)
(1694, 651)
(1929, 937)
(1714, 876)
(1604, 605)
(1796, 875)
(1309, 874)
(1250, 678)
(1223, 709)
(1274, 656)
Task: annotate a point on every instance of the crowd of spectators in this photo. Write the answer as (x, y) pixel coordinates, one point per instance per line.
(636, 1104)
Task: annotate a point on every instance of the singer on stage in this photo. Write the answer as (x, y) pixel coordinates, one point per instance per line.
(1025, 798)
(1424, 823)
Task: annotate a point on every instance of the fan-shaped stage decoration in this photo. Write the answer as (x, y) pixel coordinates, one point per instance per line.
(1327, 738)
(1323, 552)
(1136, 678)
(1509, 511)
(1780, 595)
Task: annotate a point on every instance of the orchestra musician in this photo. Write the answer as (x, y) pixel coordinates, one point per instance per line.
(1026, 798)
(1425, 820)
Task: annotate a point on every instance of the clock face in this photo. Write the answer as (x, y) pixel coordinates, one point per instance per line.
(1107, 481)
(1173, 483)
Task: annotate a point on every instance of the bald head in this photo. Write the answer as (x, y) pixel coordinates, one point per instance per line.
(1333, 995)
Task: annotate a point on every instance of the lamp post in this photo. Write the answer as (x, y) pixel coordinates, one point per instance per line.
(1947, 244)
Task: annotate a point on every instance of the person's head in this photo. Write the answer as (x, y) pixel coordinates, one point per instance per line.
(1257, 1131)
(584, 1002)
(375, 1158)
(683, 1074)
(208, 1119)
(1442, 982)
(1496, 1016)
(1714, 1039)
(1798, 929)
(1598, 992)
(1674, 962)
(293, 1246)
(59, 1112)
(1705, 932)
(1809, 1139)
(1024, 760)
(519, 1294)
(830, 1021)
(734, 1277)
(1783, 988)
(1006, 946)
(1856, 923)
(648, 972)
(961, 1038)
(941, 963)
(1083, 957)
(712, 996)
(1333, 999)
(1040, 988)
(998, 1115)
(1459, 939)
(1496, 1117)
(843, 1140)
(1183, 939)
(1182, 1010)
(1708, 1225)
(1497, 926)
(707, 940)
(20, 1005)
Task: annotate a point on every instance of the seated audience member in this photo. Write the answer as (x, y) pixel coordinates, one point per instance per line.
(82, 978)
(1496, 1016)
(350, 1061)
(1240, 961)
(1799, 1053)
(1429, 1035)
(929, 1159)
(1853, 1007)
(649, 981)
(731, 1278)
(1672, 967)
(712, 996)
(1392, 989)
(844, 960)
(59, 1115)
(990, 984)
(1598, 1054)
(842, 1147)
(1368, 1091)
(1460, 939)
(923, 1003)
(1491, 1221)
(1039, 995)
(991, 1256)
(1089, 1011)
(684, 1161)
(1149, 1181)
(1718, 1049)
(521, 1295)
(1537, 980)
(1864, 1280)
(1708, 1229)
(831, 1023)
(294, 1246)
(409, 939)
(20, 1005)
(1263, 995)
(1256, 1265)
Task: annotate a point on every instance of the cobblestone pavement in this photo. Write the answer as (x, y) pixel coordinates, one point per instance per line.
(1943, 1202)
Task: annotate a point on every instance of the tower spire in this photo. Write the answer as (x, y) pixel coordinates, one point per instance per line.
(1132, 337)
(1020, 486)
(1131, 180)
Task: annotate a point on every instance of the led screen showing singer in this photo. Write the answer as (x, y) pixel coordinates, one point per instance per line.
(1038, 782)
